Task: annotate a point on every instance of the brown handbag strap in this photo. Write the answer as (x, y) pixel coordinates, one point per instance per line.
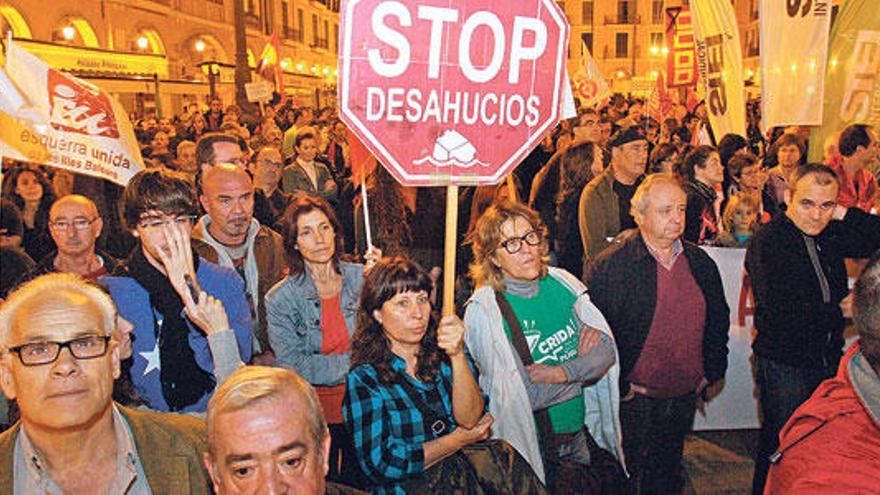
(542, 417)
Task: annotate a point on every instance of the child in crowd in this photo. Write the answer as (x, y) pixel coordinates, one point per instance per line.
(740, 219)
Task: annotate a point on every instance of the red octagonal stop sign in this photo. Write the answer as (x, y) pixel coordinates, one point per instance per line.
(451, 91)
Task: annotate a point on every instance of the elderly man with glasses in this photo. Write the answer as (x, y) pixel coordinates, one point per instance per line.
(75, 226)
(58, 359)
(183, 346)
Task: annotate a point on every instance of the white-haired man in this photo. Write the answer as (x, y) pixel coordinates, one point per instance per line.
(59, 360)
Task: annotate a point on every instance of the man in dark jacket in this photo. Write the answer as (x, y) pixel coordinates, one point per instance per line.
(796, 265)
(664, 302)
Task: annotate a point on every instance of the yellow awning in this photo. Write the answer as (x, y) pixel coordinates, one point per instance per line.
(94, 61)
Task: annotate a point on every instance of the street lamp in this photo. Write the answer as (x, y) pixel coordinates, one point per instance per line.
(68, 32)
(143, 43)
(200, 46)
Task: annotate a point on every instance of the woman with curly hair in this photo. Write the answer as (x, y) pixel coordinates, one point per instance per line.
(546, 355)
(29, 188)
(412, 401)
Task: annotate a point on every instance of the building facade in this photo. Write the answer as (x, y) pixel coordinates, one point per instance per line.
(188, 46)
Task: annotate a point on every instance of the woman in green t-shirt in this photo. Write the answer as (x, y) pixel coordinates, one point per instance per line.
(536, 323)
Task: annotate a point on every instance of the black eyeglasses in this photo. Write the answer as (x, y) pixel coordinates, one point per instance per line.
(514, 244)
(39, 353)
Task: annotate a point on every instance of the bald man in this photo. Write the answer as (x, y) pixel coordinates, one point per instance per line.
(270, 201)
(230, 236)
(75, 226)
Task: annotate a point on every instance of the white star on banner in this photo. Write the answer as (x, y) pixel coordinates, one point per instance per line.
(152, 358)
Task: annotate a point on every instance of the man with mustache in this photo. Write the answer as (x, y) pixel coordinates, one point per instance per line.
(232, 237)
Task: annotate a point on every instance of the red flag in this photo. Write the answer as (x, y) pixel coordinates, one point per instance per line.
(362, 161)
(269, 66)
(660, 103)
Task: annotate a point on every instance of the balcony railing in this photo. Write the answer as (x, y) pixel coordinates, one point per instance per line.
(623, 19)
(322, 43)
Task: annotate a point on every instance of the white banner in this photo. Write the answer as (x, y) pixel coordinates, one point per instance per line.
(719, 59)
(794, 48)
(589, 85)
(52, 118)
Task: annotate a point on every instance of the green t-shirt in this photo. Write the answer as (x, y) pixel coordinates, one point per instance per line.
(551, 331)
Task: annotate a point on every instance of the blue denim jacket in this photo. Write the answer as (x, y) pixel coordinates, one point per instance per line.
(293, 313)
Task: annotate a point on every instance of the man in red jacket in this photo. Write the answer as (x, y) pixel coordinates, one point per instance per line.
(831, 444)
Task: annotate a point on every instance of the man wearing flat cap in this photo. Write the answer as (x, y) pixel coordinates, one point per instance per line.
(604, 204)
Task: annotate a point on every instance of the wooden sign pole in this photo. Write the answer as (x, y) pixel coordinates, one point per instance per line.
(449, 251)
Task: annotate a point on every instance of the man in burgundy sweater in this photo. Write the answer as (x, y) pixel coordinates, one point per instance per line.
(664, 301)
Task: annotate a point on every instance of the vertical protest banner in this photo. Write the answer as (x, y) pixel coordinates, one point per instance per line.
(852, 77)
(794, 46)
(52, 118)
(719, 60)
(451, 92)
(681, 63)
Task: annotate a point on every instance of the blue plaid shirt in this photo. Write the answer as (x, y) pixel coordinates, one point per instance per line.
(387, 426)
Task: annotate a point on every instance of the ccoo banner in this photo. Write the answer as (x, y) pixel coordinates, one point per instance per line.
(52, 118)
(681, 64)
(852, 79)
(719, 58)
(794, 45)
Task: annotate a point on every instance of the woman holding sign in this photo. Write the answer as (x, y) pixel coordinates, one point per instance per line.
(412, 402)
(536, 323)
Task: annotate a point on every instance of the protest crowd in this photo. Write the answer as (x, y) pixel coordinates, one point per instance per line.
(233, 321)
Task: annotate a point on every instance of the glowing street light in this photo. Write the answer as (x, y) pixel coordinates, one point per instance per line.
(68, 32)
(143, 42)
(655, 50)
(200, 46)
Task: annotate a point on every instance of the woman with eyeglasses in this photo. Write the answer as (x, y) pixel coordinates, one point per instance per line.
(192, 324)
(546, 355)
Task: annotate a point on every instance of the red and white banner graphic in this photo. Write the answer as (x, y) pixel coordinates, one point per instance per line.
(52, 118)
(681, 63)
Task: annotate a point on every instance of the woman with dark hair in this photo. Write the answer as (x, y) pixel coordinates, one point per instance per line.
(412, 400)
(700, 172)
(787, 152)
(663, 158)
(581, 162)
(311, 317)
(29, 188)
